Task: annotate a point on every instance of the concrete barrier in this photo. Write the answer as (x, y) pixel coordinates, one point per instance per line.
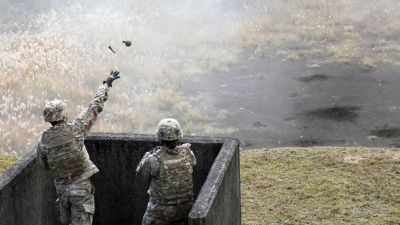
(27, 193)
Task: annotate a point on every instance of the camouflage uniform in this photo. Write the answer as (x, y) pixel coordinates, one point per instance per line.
(169, 175)
(61, 149)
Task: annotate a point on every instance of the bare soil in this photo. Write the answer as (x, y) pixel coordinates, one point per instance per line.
(275, 102)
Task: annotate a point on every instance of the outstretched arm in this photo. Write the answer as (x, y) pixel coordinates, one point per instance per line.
(88, 117)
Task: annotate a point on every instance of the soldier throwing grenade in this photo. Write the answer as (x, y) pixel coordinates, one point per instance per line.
(62, 151)
(168, 171)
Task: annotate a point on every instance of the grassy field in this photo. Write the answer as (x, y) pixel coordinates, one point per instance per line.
(320, 185)
(6, 161)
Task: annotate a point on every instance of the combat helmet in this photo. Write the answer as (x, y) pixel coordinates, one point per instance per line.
(55, 110)
(168, 129)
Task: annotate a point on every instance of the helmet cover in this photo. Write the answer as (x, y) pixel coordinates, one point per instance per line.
(55, 110)
(168, 129)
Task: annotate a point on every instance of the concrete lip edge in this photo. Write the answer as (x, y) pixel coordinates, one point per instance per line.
(149, 137)
(214, 179)
(13, 174)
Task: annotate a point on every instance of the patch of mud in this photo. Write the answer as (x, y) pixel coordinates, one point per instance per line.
(395, 145)
(307, 142)
(315, 77)
(386, 132)
(337, 113)
(289, 119)
(367, 68)
(259, 125)
(297, 47)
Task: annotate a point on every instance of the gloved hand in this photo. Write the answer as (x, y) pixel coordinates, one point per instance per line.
(113, 76)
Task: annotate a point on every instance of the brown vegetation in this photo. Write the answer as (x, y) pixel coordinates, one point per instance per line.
(320, 185)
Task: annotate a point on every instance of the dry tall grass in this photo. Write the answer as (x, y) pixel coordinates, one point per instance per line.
(347, 31)
(63, 53)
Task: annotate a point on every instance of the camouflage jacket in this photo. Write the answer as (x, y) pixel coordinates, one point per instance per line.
(169, 176)
(80, 127)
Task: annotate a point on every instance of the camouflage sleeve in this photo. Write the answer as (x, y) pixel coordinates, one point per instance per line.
(143, 170)
(193, 161)
(85, 120)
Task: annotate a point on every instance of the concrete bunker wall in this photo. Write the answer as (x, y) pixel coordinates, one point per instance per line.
(27, 193)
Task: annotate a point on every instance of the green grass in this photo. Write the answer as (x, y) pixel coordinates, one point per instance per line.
(320, 186)
(6, 161)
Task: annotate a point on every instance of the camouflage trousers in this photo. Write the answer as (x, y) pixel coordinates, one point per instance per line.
(75, 202)
(157, 214)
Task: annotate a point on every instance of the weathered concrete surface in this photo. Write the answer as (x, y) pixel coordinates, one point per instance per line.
(27, 194)
(219, 198)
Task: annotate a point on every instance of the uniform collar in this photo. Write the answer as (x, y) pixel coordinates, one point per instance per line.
(173, 151)
(57, 127)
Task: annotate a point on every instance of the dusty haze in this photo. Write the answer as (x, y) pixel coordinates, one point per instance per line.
(60, 50)
(54, 49)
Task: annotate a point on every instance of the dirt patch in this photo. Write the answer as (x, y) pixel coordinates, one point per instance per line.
(259, 125)
(386, 132)
(313, 78)
(308, 142)
(395, 145)
(337, 113)
(334, 105)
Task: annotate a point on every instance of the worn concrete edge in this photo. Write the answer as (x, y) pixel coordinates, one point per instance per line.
(148, 137)
(17, 172)
(211, 186)
(102, 136)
